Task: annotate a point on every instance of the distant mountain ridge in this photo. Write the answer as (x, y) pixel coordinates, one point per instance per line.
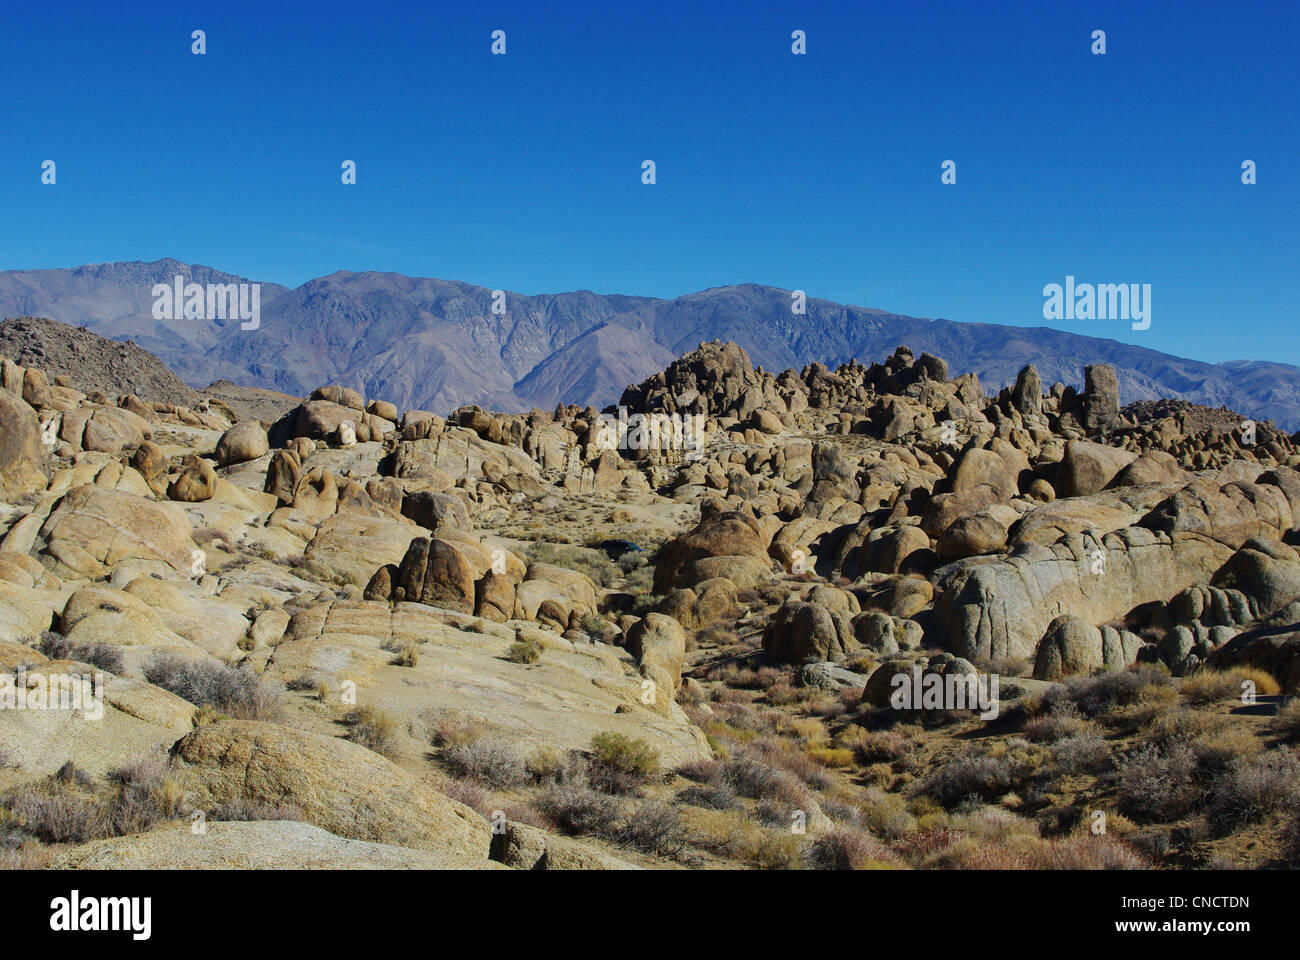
(437, 344)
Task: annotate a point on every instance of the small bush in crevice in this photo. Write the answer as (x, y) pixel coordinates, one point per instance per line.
(106, 656)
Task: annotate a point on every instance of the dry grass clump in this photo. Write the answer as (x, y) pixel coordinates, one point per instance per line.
(525, 651)
(1287, 722)
(886, 814)
(373, 729)
(408, 655)
(1210, 686)
(742, 839)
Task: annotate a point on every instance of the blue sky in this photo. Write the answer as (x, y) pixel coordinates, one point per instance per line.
(819, 172)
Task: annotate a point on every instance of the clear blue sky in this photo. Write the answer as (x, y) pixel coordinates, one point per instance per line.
(819, 172)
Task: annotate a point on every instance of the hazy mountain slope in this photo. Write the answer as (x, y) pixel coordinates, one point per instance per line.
(422, 342)
(115, 300)
(569, 376)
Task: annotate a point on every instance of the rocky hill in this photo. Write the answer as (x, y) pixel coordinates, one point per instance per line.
(862, 616)
(437, 344)
(90, 362)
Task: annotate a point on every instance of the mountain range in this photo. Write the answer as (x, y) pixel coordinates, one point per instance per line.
(437, 344)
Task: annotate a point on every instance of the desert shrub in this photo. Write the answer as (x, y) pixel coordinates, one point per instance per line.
(487, 760)
(147, 791)
(1086, 853)
(1251, 791)
(1006, 666)
(886, 814)
(1218, 751)
(761, 780)
(654, 828)
(71, 775)
(472, 794)
(1101, 693)
(303, 682)
(761, 679)
(712, 796)
(882, 746)
(1085, 751)
(372, 729)
(524, 651)
(1157, 786)
(847, 849)
(700, 770)
(240, 693)
(864, 664)
(982, 777)
(577, 809)
(106, 656)
(802, 763)
(26, 856)
(620, 764)
(59, 817)
(69, 808)
(1287, 722)
(643, 603)
(1183, 726)
(776, 850)
(1062, 721)
(546, 763)
(453, 728)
